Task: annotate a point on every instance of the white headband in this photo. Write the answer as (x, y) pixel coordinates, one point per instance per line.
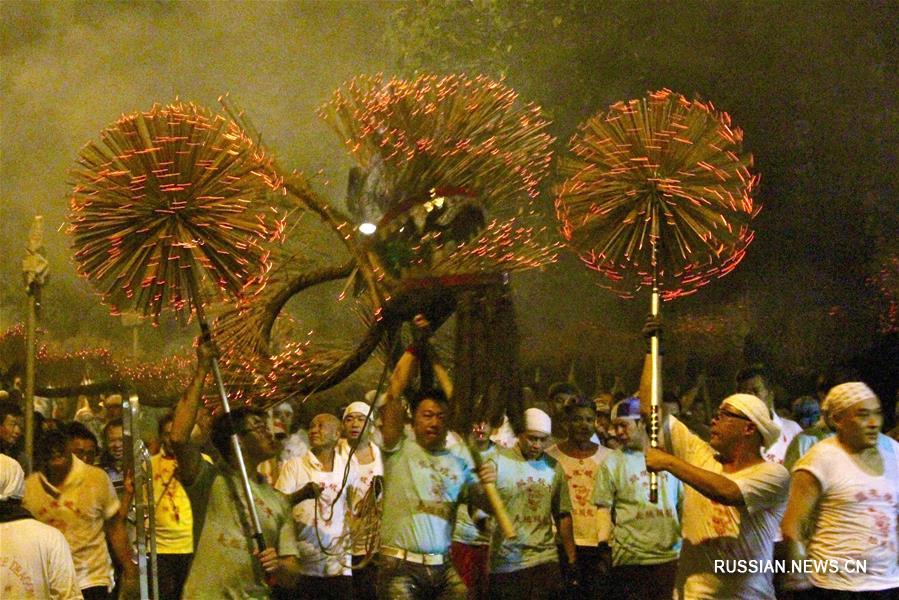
(12, 479)
(842, 396)
(357, 407)
(756, 411)
(537, 420)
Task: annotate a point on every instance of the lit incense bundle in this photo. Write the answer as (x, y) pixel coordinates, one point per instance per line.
(659, 194)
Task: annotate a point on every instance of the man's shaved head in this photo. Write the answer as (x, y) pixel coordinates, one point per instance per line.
(324, 430)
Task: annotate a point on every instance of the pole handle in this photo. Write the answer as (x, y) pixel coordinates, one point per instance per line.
(656, 392)
(496, 503)
(499, 511)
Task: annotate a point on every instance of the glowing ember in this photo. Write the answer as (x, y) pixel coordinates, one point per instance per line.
(450, 166)
(662, 168)
(166, 199)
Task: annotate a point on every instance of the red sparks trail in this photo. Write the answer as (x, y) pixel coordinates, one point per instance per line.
(165, 196)
(662, 168)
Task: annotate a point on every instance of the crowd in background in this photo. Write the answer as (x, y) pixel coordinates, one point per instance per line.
(374, 498)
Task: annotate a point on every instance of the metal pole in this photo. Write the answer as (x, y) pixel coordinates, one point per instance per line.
(235, 442)
(151, 522)
(35, 269)
(137, 509)
(655, 395)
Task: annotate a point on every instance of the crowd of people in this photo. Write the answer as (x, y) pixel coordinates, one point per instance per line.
(380, 500)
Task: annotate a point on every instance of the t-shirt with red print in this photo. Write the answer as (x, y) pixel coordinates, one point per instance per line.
(713, 531)
(592, 524)
(79, 508)
(856, 517)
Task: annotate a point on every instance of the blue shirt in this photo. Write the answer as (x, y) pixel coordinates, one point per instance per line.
(422, 490)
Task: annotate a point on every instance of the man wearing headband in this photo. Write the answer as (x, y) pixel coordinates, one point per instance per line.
(580, 459)
(646, 539)
(734, 499)
(822, 429)
(533, 488)
(424, 483)
(367, 463)
(844, 500)
(316, 487)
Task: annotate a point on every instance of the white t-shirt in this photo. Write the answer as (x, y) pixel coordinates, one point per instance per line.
(713, 531)
(365, 474)
(776, 452)
(327, 515)
(592, 524)
(856, 517)
(35, 562)
(79, 508)
(504, 436)
(296, 444)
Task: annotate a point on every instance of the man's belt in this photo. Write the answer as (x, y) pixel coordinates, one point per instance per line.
(415, 557)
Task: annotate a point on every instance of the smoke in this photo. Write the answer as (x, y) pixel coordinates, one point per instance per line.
(71, 68)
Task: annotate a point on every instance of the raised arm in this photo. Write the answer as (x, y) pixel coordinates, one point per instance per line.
(713, 486)
(443, 378)
(393, 414)
(185, 416)
(689, 397)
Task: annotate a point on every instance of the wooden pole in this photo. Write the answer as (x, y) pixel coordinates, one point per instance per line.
(30, 332)
(34, 270)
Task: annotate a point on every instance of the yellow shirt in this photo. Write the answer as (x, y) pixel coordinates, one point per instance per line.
(174, 518)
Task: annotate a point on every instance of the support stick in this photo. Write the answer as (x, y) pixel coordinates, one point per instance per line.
(30, 332)
(235, 442)
(656, 378)
(496, 503)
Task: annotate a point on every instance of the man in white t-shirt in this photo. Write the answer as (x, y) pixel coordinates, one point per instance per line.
(79, 500)
(844, 499)
(368, 465)
(581, 459)
(316, 486)
(35, 560)
(733, 501)
(754, 380)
